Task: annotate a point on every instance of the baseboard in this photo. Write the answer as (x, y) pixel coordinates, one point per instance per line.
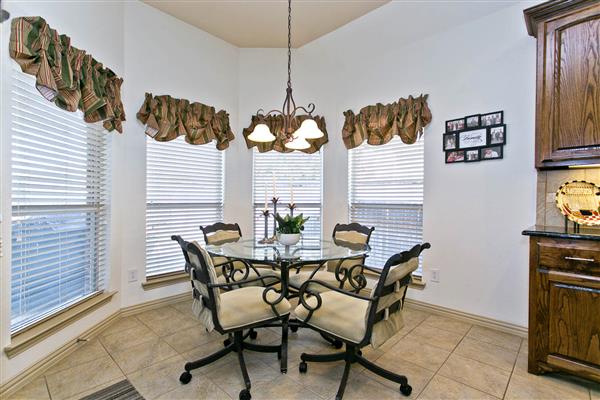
(470, 318)
(39, 367)
(149, 305)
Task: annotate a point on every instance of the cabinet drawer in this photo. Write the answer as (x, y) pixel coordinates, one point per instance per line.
(553, 255)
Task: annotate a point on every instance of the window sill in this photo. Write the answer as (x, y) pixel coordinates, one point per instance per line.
(417, 282)
(33, 334)
(172, 278)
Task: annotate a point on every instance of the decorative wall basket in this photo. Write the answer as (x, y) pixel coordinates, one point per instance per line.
(579, 201)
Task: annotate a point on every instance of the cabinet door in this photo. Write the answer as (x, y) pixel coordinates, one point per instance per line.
(574, 322)
(569, 110)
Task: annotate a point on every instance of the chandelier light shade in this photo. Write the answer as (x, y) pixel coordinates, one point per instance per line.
(261, 134)
(309, 130)
(297, 143)
(293, 139)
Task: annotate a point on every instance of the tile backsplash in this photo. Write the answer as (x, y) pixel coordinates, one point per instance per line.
(548, 183)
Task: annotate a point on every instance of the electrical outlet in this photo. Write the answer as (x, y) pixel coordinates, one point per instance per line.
(132, 275)
(435, 275)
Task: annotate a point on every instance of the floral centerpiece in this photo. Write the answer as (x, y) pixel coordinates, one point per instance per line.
(289, 228)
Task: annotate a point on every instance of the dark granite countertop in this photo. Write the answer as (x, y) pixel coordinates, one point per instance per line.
(584, 233)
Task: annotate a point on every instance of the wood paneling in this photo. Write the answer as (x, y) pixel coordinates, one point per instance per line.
(568, 82)
(574, 321)
(577, 105)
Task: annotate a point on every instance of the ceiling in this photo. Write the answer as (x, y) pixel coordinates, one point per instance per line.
(259, 23)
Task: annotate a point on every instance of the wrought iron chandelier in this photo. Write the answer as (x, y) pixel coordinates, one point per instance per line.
(294, 140)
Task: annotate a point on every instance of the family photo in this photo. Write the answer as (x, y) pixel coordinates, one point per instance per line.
(497, 135)
(490, 153)
(494, 118)
(455, 125)
(472, 155)
(450, 141)
(455, 156)
(472, 121)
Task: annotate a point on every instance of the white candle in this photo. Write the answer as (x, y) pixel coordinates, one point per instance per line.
(266, 202)
(292, 190)
(274, 185)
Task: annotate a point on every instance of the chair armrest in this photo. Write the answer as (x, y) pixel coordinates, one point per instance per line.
(229, 272)
(304, 288)
(273, 303)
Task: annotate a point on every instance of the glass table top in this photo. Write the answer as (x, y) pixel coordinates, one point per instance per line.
(312, 251)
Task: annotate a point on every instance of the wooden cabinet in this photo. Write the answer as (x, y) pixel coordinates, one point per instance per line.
(568, 82)
(564, 306)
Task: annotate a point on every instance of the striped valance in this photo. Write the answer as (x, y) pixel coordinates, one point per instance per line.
(275, 124)
(379, 123)
(66, 75)
(166, 118)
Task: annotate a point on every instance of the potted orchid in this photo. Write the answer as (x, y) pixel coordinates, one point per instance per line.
(289, 228)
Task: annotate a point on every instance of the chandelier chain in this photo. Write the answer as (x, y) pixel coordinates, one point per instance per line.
(289, 82)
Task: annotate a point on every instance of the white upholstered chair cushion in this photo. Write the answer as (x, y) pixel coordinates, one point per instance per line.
(351, 237)
(245, 306)
(340, 315)
(223, 236)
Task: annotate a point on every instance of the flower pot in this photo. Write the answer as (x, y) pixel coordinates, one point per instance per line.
(288, 239)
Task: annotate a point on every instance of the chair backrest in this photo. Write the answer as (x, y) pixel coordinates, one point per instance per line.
(352, 233)
(220, 232)
(384, 317)
(207, 301)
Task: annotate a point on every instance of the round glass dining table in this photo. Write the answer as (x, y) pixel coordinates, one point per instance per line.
(285, 258)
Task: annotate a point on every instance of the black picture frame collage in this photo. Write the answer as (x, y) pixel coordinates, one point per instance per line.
(477, 137)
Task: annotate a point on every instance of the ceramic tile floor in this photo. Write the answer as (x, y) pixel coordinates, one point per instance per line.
(443, 359)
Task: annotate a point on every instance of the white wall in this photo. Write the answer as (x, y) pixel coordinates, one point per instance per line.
(163, 56)
(473, 213)
(153, 52)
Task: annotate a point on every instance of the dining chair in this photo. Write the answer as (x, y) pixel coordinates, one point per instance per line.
(232, 312)
(220, 233)
(335, 272)
(357, 319)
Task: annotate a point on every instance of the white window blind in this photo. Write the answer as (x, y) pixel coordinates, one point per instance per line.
(305, 169)
(184, 189)
(60, 205)
(386, 191)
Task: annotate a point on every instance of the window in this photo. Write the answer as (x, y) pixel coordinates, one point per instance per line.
(305, 170)
(386, 191)
(184, 189)
(60, 205)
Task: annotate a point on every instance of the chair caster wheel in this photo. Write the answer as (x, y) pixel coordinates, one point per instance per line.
(294, 328)
(245, 395)
(337, 344)
(226, 342)
(253, 335)
(406, 389)
(283, 370)
(185, 378)
(303, 367)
